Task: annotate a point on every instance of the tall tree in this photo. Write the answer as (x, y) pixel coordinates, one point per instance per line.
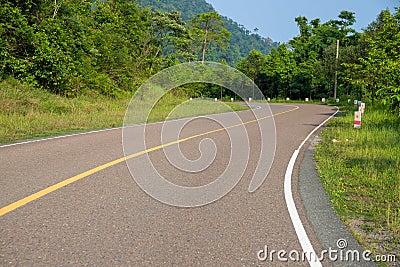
(282, 65)
(170, 35)
(380, 67)
(313, 49)
(209, 28)
(253, 66)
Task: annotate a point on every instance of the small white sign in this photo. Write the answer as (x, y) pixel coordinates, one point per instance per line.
(307, 99)
(249, 99)
(323, 100)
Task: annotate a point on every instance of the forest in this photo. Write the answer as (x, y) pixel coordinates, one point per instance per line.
(241, 41)
(111, 47)
(103, 47)
(366, 64)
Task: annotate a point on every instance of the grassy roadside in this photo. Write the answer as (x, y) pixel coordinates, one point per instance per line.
(360, 170)
(30, 113)
(301, 101)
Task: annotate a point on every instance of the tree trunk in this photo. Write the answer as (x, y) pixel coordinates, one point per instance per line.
(158, 51)
(205, 43)
(56, 8)
(204, 48)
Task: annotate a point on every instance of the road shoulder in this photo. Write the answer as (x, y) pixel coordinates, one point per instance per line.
(326, 224)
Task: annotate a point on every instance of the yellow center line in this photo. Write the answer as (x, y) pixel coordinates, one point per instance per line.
(52, 188)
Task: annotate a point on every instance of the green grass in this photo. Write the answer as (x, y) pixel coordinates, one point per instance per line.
(360, 170)
(170, 107)
(30, 113)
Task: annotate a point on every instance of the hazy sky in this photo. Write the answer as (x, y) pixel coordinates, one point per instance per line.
(275, 18)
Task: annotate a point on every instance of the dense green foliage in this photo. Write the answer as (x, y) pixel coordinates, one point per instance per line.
(242, 41)
(367, 65)
(188, 9)
(104, 47)
(76, 45)
(381, 64)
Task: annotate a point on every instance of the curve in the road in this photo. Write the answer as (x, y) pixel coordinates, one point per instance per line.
(294, 216)
(19, 203)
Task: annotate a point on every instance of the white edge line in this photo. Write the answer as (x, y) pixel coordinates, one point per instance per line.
(291, 206)
(111, 129)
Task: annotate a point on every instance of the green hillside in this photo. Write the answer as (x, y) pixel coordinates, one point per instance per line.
(188, 8)
(242, 40)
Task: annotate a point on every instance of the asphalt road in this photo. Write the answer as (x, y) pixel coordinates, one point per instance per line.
(104, 218)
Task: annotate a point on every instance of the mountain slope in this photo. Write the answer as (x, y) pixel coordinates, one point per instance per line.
(242, 40)
(187, 8)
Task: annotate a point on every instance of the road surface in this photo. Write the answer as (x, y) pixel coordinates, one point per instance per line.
(103, 218)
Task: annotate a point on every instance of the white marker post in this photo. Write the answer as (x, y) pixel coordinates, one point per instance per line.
(249, 99)
(357, 120)
(323, 100)
(268, 99)
(231, 99)
(215, 99)
(287, 98)
(362, 108)
(307, 99)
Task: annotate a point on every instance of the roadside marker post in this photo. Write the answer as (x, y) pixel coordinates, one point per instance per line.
(231, 99)
(362, 109)
(250, 99)
(357, 120)
(215, 99)
(307, 99)
(287, 98)
(323, 100)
